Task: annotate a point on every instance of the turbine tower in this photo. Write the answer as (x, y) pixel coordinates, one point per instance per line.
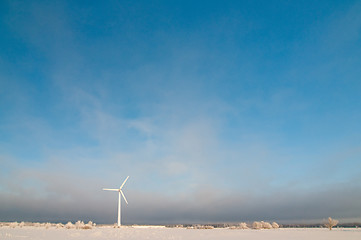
(119, 201)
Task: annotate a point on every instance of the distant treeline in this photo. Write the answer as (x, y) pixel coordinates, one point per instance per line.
(315, 225)
(227, 225)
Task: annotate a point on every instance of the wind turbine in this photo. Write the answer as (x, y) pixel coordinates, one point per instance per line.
(119, 192)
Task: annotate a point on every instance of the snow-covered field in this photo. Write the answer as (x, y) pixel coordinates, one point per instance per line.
(130, 233)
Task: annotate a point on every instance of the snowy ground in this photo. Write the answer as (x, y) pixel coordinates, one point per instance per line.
(130, 233)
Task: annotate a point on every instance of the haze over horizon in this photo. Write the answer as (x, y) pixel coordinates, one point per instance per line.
(219, 111)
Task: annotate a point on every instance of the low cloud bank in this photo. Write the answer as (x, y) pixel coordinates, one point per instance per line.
(199, 207)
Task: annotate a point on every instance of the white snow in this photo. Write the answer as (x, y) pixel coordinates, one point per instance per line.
(130, 233)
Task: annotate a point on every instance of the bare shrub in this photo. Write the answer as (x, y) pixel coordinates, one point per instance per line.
(86, 226)
(22, 224)
(203, 227)
(331, 223)
(177, 226)
(275, 225)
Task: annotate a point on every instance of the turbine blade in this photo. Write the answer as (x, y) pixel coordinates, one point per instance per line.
(124, 182)
(123, 196)
(110, 189)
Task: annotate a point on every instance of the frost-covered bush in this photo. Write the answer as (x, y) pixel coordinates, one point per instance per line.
(79, 224)
(69, 225)
(331, 223)
(36, 224)
(257, 225)
(13, 224)
(22, 224)
(266, 225)
(275, 225)
(89, 225)
(243, 225)
(47, 225)
(59, 225)
(92, 223)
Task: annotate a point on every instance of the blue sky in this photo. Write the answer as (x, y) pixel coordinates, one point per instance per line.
(218, 111)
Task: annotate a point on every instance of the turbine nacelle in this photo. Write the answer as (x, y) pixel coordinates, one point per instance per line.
(118, 190)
